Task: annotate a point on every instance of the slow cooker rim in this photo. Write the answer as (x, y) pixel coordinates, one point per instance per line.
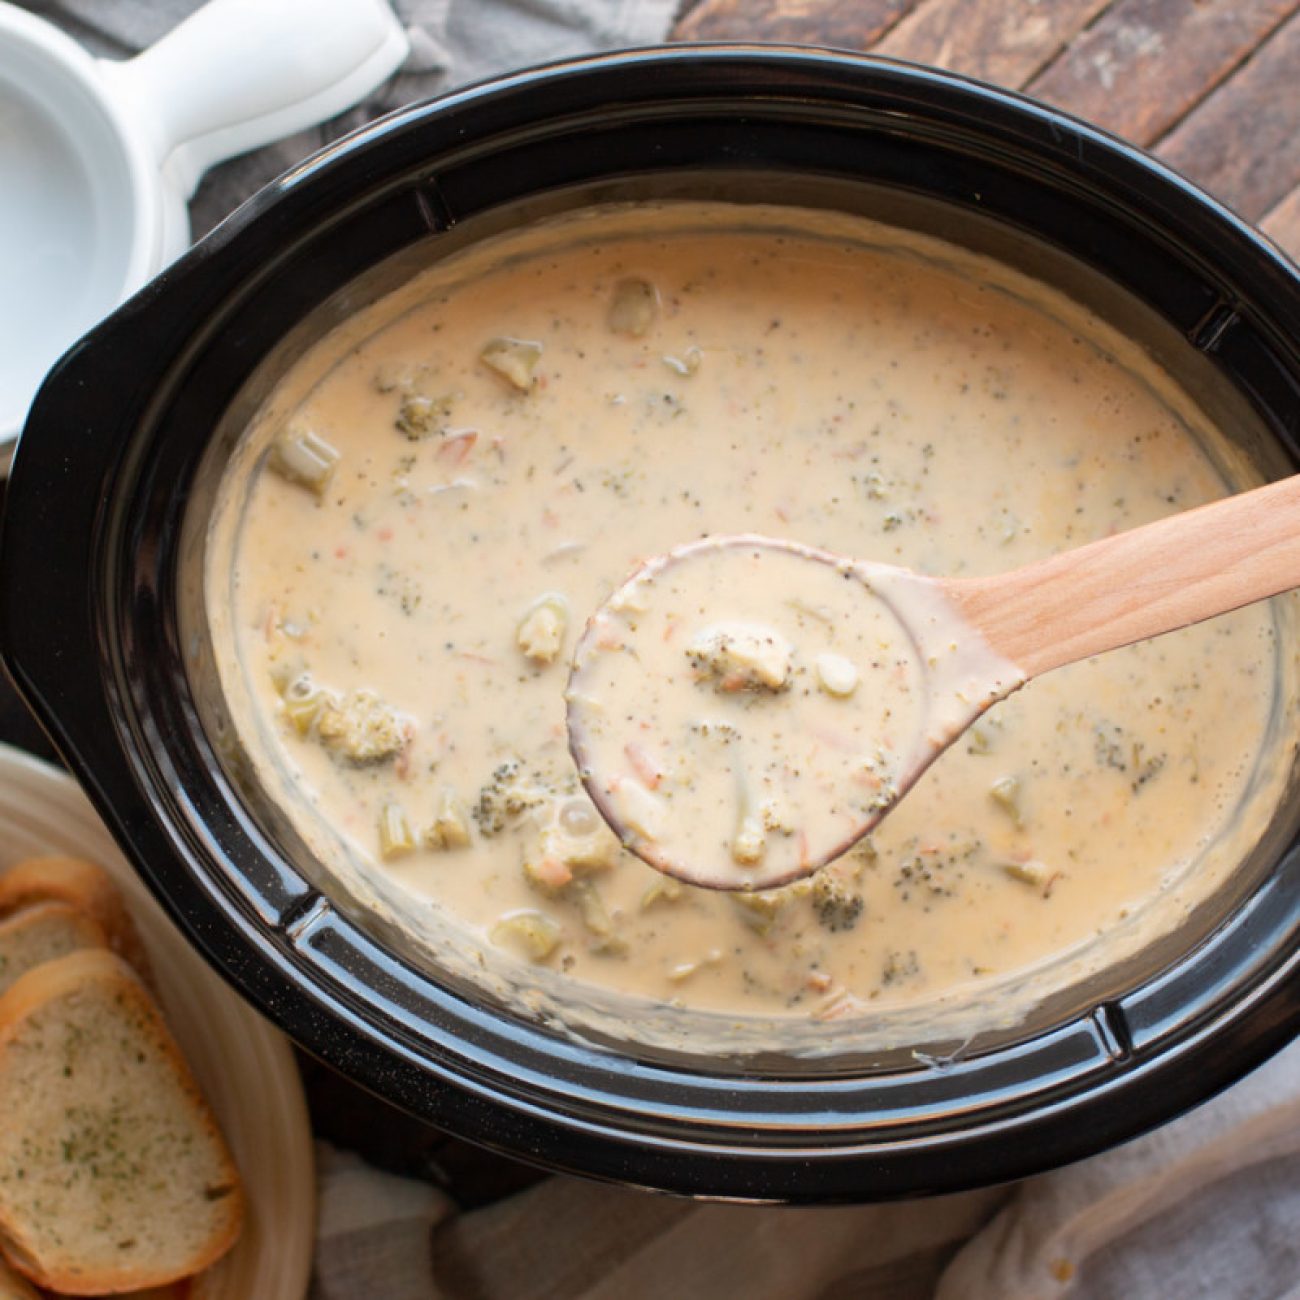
(198, 908)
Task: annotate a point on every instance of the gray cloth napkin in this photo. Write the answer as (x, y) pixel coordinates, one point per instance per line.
(1207, 1208)
(453, 42)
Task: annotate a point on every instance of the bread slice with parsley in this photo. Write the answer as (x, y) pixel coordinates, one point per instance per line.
(113, 1174)
(40, 933)
(82, 885)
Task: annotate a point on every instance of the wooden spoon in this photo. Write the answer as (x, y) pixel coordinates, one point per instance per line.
(744, 709)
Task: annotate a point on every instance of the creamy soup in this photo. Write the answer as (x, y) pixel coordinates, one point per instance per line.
(444, 491)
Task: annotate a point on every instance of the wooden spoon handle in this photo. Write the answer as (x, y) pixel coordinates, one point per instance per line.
(1137, 584)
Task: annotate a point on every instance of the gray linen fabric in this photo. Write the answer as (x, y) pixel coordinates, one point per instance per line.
(1207, 1208)
(453, 42)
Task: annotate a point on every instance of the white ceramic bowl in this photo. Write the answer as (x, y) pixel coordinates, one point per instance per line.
(243, 1065)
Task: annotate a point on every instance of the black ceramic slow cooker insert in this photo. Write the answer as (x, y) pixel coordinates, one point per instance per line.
(102, 546)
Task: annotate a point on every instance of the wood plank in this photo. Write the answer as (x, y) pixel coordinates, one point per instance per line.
(1282, 224)
(1242, 143)
(850, 24)
(1145, 63)
(1002, 41)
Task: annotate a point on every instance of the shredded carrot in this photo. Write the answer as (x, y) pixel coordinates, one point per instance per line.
(850, 453)
(402, 763)
(841, 742)
(458, 446)
(644, 765)
(552, 873)
(838, 1004)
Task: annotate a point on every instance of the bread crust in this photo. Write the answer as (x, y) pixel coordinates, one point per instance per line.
(83, 885)
(67, 929)
(13, 1286)
(78, 919)
(33, 992)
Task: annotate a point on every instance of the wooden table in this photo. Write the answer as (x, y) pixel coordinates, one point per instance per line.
(1210, 86)
(1213, 86)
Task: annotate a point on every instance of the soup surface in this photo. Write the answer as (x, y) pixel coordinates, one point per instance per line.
(444, 490)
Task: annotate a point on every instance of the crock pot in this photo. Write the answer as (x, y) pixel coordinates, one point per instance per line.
(101, 559)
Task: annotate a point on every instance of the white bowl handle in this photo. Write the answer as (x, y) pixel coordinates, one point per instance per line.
(238, 74)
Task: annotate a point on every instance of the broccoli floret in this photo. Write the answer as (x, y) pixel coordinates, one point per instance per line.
(760, 909)
(361, 728)
(835, 905)
(420, 416)
(741, 657)
(506, 797)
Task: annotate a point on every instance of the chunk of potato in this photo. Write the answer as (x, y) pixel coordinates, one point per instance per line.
(836, 675)
(633, 307)
(513, 360)
(542, 630)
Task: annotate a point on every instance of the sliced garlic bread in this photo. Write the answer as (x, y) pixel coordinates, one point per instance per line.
(113, 1174)
(79, 884)
(40, 933)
